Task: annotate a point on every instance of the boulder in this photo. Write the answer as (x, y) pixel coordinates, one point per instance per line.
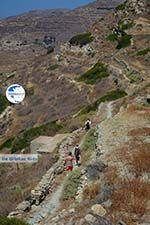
(97, 209)
(90, 219)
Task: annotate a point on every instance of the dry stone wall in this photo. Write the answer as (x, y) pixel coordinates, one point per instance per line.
(46, 185)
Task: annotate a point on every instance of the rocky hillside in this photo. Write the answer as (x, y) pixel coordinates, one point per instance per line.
(102, 74)
(29, 40)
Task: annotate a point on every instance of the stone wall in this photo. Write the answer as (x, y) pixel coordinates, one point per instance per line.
(46, 185)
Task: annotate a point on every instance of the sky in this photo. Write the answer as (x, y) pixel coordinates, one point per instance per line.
(15, 7)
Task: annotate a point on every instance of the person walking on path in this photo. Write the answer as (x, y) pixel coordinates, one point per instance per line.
(77, 154)
(87, 124)
(69, 162)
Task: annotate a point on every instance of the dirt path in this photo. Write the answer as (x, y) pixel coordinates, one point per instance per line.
(49, 206)
(52, 202)
(109, 110)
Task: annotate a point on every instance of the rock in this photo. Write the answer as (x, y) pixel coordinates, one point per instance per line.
(107, 203)
(13, 214)
(121, 223)
(94, 169)
(102, 221)
(25, 205)
(90, 219)
(81, 222)
(71, 210)
(88, 50)
(97, 209)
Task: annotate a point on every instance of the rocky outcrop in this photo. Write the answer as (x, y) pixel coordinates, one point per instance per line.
(136, 6)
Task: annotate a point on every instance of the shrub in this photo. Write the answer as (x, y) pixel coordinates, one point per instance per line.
(143, 52)
(71, 185)
(7, 144)
(3, 103)
(88, 145)
(11, 221)
(124, 25)
(139, 160)
(53, 67)
(110, 96)
(24, 140)
(81, 39)
(91, 191)
(131, 197)
(87, 109)
(112, 37)
(124, 41)
(89, 141)
(96, 73)
(121, 6)
(134, 76)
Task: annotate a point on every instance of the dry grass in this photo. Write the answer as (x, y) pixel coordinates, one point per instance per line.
(140, 160)
(111, 176)
(91, 191)
(131, 198)
(82, 209)
(136, 154)
(138, 108)
(141, 131)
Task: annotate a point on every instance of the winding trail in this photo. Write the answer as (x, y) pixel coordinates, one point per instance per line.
(51, 203)
(109, 110)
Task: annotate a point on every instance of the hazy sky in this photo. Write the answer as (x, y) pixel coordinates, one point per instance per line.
(14, 7)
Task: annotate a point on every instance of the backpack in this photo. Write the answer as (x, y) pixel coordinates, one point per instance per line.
(77, 151)
(87, 125)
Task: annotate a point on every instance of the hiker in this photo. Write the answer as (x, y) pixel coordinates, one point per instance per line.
(87, 124)
(116, 81)
(69, 162)
(77, 154)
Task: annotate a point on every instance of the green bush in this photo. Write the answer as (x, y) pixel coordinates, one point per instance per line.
(7, 144)
(124, 41)
(96, 73)
(81, 39)
(110, 96)
(112, 37)
(24, 140)
(11, 221)
(143, 52)
(89, 141)
(71, 185)
(53, 67)
(124, 26)
(121, 6)
(3, 103)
